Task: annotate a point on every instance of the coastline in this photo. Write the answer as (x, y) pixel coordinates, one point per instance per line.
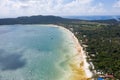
(81, 62)
(78, 67)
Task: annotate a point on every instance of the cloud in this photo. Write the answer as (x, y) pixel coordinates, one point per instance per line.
(80, 7)
(117, 4)
(116, 8)
(13, 8)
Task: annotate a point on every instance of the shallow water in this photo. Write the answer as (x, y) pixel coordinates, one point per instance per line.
(35, 52)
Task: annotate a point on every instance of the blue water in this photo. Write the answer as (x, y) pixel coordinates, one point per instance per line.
(94, 17)
(34, 52)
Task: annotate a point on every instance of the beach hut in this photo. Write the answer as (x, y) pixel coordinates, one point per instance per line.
(109, 76)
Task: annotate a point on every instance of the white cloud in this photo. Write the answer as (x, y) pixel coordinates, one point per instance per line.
(83, 7)
(116, 8)
(117, 4)
(13, 8)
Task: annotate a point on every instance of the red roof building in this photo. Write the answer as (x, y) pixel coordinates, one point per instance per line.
(109, 76)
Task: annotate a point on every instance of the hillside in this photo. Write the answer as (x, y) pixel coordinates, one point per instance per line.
(35, 20)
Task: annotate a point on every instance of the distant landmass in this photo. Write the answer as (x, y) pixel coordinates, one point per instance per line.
(35, 20)
(54, 20)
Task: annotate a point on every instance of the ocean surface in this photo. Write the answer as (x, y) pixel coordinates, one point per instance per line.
(35, 52)
(116, 17)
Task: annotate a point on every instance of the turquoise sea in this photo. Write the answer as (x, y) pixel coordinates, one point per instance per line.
(35, 52)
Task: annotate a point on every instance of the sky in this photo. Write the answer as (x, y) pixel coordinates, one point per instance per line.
(15, 8)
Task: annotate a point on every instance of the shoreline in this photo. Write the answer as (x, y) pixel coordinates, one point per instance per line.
(80, 53)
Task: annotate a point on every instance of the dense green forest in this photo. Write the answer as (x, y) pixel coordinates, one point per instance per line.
(102, 38)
